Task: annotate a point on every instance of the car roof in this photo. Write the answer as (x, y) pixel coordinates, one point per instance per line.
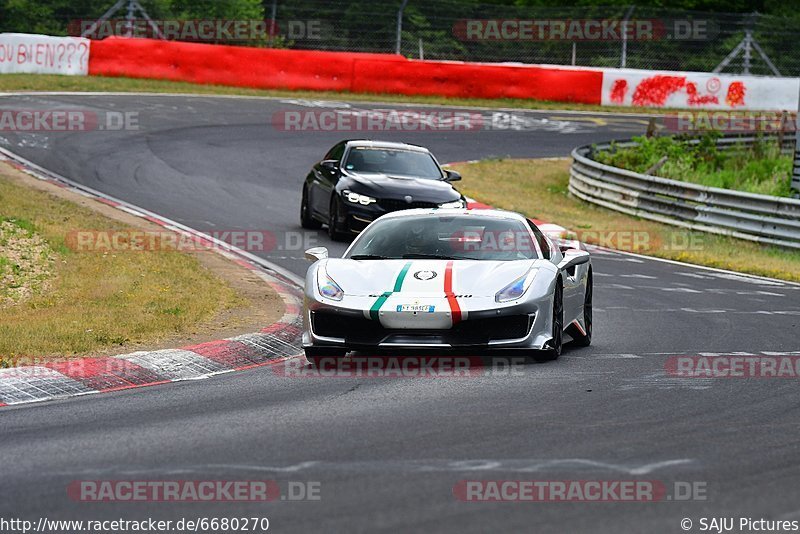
(415, 212)
(369, 143)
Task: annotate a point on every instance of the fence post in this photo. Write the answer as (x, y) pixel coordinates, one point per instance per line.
(399, 37)
(624, 58)
(272, 15)
(796, 166)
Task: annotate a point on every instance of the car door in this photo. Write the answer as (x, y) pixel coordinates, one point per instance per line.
(324, 181)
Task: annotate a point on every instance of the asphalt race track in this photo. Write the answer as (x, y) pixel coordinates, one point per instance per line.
(388, 452)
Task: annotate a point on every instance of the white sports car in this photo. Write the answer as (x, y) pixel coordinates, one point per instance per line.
(448, 279)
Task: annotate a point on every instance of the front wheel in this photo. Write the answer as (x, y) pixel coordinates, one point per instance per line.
(333, 216)
(580, 338)
(306, 220)
(553, 351)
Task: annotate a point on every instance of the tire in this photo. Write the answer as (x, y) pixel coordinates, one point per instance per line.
(306, 220)
(554, 350)
(333, 214)
(324, 357)
(580, 339)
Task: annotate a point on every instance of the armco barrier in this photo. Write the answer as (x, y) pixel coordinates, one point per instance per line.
(337, 71)
(761, 218)
(796, 166)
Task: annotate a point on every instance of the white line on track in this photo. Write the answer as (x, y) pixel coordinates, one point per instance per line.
(533, 465)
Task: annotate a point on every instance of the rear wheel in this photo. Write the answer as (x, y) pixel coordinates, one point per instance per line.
(333, 216)
(553, 351)
(306, 220)
(584, 339)
(319, 357)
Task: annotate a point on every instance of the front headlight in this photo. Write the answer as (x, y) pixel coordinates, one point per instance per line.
(517, 288)
(454, 204)
(328, 287)
(356, 198)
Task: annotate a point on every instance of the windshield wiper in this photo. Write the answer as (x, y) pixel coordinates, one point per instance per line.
(368, 257)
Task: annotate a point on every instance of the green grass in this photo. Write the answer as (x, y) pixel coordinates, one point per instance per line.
(6, 265)
(538, 188)
(23, 224)
(40, 82)
(758, 169)
(94, 300)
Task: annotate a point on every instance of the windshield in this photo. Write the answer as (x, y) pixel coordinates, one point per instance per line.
(468, 237)
(392, 161)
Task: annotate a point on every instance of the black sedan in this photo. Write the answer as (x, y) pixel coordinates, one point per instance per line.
(358, 181)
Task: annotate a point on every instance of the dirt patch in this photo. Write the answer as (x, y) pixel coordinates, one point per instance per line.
(26, 263)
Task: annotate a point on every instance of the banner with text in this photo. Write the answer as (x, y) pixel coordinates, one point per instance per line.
(42, 54)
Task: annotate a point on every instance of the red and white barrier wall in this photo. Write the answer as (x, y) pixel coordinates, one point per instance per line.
(697, 90)
(336, 71)
(387, 73)
(42, 54)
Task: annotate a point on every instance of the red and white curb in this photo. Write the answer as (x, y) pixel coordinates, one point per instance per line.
(66, 378)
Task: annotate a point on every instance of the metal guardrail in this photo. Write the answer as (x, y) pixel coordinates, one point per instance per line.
(760, 218)
(796, 166)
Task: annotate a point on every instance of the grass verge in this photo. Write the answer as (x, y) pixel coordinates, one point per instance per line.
(85, 302)
(42, 82)
(759, 168)
(538, 188)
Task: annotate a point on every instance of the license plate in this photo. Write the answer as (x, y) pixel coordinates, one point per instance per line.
(414, 308)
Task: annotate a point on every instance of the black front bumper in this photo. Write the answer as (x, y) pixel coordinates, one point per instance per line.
(362, 332)
(354, 218)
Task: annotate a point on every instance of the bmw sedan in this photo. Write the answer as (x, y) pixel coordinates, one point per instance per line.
(358, 181)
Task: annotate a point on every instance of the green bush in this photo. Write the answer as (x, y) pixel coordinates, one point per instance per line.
(760, 168)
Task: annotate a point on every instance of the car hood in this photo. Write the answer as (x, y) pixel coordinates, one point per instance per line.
(425, 277)
(387, 186)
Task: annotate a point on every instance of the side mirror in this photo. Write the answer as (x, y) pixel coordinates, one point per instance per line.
(329, 164)
(572, 258)
(451, 176)
(316, 254)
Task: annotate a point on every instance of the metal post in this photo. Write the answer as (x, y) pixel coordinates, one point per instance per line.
(129, 18)
(107, 15)
(744, 48)
(399, 36)
(796, 167)
(421, 50)
(150, 21)
(272, 17)
(624, 29)
(133, 5)
(748, 47)
(574, 53)
(765, 57)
